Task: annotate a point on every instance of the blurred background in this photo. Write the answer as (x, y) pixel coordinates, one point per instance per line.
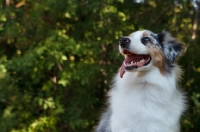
(58, 57)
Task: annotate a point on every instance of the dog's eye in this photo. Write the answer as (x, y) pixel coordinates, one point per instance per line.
(145, 40)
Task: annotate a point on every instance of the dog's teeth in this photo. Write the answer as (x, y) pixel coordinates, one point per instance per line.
(142, 60)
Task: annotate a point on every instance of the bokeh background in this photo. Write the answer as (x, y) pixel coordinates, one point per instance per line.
(57, 58)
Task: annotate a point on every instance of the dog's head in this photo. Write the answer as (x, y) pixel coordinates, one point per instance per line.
(144, 49)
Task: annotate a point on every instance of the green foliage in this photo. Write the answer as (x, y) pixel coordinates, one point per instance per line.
(57, 59)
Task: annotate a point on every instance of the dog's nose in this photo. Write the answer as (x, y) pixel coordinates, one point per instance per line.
(124, 42)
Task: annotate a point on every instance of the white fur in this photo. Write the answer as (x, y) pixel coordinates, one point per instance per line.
(145, 100)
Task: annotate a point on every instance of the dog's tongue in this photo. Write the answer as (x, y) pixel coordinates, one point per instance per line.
(122, 71)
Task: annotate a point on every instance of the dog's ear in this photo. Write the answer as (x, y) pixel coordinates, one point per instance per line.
(171, 47)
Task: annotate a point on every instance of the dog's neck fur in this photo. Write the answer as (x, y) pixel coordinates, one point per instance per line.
(145, 102)
(151, 77)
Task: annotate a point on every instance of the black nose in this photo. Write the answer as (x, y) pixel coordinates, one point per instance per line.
(124, 42)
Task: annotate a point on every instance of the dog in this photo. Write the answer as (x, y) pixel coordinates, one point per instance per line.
(145, 95)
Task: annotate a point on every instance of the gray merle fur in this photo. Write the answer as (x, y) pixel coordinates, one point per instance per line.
(170, 47)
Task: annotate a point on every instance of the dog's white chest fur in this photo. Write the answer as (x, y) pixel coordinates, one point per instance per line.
(141, 103)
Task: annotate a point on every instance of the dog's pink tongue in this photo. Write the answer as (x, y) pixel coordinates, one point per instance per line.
(122, 71)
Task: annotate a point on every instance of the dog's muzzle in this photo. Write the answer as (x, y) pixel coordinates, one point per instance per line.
(124, 42)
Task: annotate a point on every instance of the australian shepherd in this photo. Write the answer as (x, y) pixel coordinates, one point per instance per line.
(145, 95)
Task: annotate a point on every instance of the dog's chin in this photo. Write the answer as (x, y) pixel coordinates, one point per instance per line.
(134, 62)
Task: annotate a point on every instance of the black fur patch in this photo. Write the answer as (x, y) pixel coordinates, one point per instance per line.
(157, 37)
(161, 36)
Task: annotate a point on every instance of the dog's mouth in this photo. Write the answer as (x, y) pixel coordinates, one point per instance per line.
(133, 61)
